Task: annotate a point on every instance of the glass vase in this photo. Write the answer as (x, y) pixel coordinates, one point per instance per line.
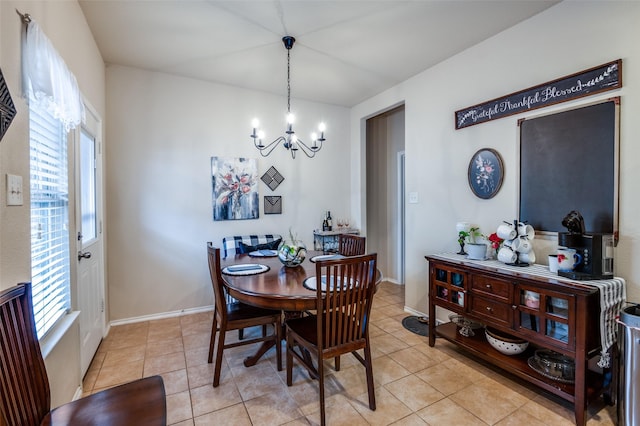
(292, 252)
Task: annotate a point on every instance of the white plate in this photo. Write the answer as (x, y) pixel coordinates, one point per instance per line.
(311, 283)
(326, 257)
(245, 269)
(264, 253)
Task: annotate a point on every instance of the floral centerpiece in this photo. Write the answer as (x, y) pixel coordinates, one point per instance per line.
(292, 252)
(495, 241)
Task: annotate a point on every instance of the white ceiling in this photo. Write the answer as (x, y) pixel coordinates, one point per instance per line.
(346, 50)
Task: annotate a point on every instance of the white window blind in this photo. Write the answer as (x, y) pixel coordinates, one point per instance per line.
(49, 218)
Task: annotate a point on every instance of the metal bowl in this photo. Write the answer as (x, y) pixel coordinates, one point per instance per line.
(555, 364)
(505, 343)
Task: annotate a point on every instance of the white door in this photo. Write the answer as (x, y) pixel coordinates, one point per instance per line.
(89, 220)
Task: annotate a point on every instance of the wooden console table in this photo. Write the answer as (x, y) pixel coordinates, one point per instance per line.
(567, 319)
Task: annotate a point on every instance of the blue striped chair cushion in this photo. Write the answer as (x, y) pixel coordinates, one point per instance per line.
(231, 245)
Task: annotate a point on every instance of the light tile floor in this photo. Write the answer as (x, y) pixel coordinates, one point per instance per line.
(415, 384)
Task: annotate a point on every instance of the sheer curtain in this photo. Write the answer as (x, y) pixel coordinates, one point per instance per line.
(47, 79)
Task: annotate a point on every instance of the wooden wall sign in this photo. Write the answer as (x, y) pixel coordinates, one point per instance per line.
(594, 80)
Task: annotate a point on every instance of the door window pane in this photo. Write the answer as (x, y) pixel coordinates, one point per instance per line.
(88, 187)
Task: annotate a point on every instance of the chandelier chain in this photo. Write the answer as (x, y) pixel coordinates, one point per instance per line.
(288, 81)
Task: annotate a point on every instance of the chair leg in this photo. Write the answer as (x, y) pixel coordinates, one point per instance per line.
(278, 332)
(218, 366)
(337, 363)
(241, 334)
(289, 348)
(264, 330)
(214, 326)
(369, 368)
(321, 385)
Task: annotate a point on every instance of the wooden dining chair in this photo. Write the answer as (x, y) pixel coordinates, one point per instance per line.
(341, 323)
(351, 245)
(24, 386)
(236, 316)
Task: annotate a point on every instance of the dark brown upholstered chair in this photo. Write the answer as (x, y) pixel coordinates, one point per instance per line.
(341, 324)
(351, 245)
(24, 386)
(236, 316)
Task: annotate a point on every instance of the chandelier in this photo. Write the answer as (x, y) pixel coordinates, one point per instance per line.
(290, 141)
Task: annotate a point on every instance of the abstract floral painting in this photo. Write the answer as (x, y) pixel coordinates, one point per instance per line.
(235, 188)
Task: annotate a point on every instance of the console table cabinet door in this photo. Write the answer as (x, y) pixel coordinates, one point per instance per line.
(546, 317)
(449, 286)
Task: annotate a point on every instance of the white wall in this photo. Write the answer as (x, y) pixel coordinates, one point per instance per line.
(64, 24)
(161, 134)
(564, 39)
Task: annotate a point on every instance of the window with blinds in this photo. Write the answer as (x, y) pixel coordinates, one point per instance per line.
(49, 218)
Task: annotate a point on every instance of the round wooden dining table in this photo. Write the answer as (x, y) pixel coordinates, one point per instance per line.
(280, 287)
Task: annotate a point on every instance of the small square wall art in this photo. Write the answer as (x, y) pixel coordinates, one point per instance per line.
(235, 188)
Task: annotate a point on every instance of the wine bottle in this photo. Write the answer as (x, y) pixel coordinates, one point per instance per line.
(329, 221)
(325, 224)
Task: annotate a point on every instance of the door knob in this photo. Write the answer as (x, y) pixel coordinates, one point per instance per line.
(85, 255)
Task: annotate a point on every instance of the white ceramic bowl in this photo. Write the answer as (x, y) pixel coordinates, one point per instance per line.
(504, 343)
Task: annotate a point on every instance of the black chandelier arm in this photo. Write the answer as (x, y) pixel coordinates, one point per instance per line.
(309, 151)
(265, 150)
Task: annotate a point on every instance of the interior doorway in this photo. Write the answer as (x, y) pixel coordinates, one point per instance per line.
(385, 191)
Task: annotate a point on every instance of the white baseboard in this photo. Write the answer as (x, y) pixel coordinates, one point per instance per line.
(420, 314)
(414, 312)
(162, 315)
(78, 393)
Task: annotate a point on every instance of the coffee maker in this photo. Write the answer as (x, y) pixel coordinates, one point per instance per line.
(595, 248)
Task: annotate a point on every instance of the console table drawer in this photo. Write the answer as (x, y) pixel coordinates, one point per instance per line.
(492, 287)
(494, 311)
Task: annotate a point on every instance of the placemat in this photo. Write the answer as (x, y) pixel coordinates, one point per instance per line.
(264, 253)
(245, 269)
(311, 283)
(326, 257)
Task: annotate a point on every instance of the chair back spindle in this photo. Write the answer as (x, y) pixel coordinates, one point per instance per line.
(351, 245)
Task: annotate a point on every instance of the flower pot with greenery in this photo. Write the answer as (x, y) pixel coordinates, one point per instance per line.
(473, 244)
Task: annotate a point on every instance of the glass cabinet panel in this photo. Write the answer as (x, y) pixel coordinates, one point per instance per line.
(529, 321)
(558, 307)
(450, 286)
(441, 275)
(457, 279)
(557, 331)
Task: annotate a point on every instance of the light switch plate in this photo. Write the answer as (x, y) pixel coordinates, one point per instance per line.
(413, 198)
(14, 190)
